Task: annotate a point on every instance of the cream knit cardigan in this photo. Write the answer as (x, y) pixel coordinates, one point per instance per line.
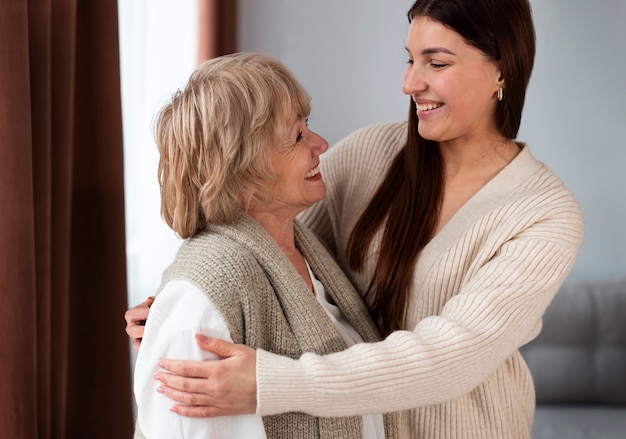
(479, 291)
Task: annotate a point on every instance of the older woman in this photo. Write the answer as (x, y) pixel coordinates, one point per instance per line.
(238, 163)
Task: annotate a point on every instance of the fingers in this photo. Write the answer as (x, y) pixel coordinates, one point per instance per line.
(199, 399)
(136, 319)
(222, 387)
(204, 369)
(186, 368)
(190, 391)
(139, 313)
(198, 411)
(217, 346)
(135, 331)
(194, 396)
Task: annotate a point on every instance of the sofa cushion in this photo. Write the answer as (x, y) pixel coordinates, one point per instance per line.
(580, 354)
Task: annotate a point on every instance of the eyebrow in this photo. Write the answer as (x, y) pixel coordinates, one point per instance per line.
(432, 50)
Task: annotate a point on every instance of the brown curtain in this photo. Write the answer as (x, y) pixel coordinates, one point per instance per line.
(216, 28)
(64, 357)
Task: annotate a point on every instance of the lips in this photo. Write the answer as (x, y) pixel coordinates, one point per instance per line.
(313, 172)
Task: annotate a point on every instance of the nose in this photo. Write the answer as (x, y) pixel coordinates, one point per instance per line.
(413, 81)
(319, 145)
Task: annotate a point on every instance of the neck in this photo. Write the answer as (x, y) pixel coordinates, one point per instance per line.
(478, 159)
(279, 228)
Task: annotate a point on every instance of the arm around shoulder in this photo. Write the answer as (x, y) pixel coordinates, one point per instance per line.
(180, 312)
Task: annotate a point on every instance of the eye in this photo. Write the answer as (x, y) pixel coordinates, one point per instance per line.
(301, 133)
(410, 61)
(438, 65)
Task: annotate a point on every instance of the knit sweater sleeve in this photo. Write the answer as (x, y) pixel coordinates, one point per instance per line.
(497, 309)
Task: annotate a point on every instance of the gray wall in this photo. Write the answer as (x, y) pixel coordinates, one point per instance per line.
(350, 56)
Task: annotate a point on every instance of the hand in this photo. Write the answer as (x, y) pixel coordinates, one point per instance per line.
(136, 320)
(223, 387)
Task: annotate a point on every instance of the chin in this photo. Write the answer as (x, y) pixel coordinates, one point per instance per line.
(322, 194)
(428, 135)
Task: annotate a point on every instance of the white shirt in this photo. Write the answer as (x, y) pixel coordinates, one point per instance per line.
(179, 312)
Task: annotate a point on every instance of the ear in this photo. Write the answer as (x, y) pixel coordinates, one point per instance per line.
(501, 81)
(500, 86)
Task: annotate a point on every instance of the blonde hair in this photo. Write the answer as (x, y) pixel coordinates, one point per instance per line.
(215, 138)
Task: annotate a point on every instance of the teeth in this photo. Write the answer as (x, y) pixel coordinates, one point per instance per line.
(313, 172)
(426, 107)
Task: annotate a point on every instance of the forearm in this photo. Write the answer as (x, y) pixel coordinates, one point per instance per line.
(397, 374)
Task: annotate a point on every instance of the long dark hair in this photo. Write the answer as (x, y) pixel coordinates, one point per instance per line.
(408, 202)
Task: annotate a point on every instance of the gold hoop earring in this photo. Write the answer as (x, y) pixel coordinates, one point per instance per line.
(500, 94)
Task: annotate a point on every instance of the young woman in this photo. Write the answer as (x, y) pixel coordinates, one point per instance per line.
(454, 233)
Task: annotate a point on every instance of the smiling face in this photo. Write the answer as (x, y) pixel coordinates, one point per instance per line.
(295, 162)
(453, 84)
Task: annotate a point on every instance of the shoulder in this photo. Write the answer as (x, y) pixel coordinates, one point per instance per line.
(545, 187)
(213, 259)
(182, 306)
(544, 200)
(381, 140)
(364, 153)
(214, 247)
(388, 132)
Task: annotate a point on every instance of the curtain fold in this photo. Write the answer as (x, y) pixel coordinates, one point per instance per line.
(65, 357)
(216, 28)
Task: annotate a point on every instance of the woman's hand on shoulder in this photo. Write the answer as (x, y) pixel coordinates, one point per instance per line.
(136, 321)
(223, 387)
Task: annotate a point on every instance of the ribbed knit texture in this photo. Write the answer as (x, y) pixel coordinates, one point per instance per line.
(479, 290)
(266, 303)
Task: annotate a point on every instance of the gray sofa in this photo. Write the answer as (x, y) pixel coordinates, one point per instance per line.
(578, 363)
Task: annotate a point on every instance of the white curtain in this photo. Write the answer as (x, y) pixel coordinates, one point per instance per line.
(158, 50)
